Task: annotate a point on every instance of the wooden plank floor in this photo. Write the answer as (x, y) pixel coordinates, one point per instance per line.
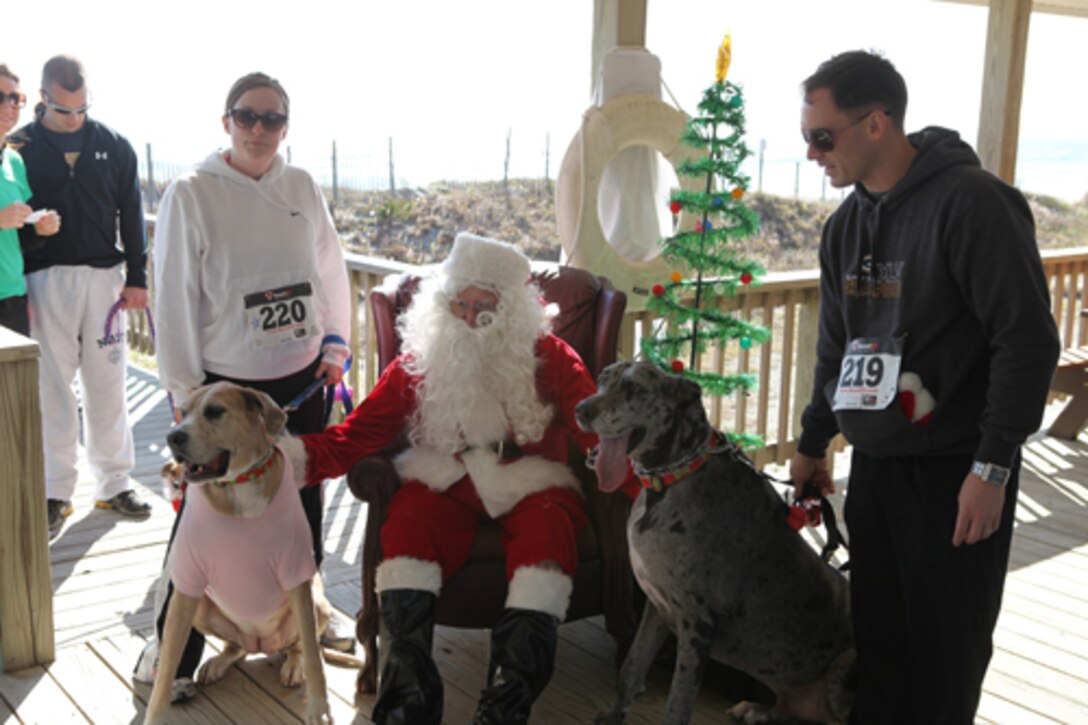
(104, 571)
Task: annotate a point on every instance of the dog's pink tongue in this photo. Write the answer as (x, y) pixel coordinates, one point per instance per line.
(611, 464)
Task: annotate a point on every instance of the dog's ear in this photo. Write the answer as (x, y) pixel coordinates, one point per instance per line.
(262, 404)
(687, 391)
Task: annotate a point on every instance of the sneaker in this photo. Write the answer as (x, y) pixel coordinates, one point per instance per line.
(126, 504)
(182, 690)
(340, 634)
(58, 511)
(148, 663)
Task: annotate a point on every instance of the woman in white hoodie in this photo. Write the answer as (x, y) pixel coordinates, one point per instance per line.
(250, 281)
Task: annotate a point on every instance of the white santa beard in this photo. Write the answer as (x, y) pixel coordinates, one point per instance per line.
(478, 383)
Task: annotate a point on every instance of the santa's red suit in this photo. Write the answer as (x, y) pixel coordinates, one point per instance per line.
(534, 495)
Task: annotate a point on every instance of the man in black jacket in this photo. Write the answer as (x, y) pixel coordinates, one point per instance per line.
(935, 352)
(78, 283)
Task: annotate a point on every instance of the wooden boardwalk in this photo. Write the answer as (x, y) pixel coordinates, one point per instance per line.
(105, 567)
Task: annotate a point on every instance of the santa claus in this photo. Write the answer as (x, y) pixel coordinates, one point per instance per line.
(488, 396)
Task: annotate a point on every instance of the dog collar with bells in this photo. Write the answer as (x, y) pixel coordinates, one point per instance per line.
(258, 470)
(658, 479)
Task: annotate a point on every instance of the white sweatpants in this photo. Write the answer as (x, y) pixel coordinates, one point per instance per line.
(69, 307)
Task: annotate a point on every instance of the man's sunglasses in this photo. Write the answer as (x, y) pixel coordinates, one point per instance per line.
(245, 118)
(13, 99)
(823, 139)
(65, 110)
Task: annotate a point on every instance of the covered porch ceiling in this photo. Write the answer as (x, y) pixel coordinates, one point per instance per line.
(623, 22)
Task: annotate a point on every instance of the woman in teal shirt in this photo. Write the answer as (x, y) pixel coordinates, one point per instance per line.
(14, 213)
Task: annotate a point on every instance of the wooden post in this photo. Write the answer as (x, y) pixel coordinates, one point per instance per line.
(26, 595)
(335, 182)
(152, 200)
(615, 23)
(392, 178)
(506, 169)
(1003, 86)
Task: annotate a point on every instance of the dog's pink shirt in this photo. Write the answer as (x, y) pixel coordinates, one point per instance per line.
(246, 566)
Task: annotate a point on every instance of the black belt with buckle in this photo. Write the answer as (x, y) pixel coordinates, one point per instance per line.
(507, 450)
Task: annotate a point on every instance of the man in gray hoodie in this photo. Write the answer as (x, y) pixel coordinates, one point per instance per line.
(936, 349)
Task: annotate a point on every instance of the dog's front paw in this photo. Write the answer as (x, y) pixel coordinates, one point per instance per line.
(750, 712)
(317, 712)
(291, 674)
(609, 718)
(214, 669)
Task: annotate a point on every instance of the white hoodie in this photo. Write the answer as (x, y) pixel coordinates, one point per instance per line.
(222, 236)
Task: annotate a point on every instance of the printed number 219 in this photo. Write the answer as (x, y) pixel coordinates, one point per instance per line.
(859, 371)
(282, 314)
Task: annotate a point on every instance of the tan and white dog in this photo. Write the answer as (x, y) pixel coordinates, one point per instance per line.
(233, 447)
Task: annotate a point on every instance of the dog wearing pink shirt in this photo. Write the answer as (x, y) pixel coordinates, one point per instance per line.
(242, 562)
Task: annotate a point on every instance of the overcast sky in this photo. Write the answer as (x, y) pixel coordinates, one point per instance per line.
(447, 79)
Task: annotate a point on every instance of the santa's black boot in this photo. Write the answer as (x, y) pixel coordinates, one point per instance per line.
(409, 688)
(523, 646)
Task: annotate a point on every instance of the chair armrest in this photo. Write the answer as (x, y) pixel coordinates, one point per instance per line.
(374, 480)
(609, 320)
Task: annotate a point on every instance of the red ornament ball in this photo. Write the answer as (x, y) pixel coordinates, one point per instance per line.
(677, 366)
(658, 290)
(746, 278)
(698, 226)
(674, 207)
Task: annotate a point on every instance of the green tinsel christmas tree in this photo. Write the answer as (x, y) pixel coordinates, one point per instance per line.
(691, 314)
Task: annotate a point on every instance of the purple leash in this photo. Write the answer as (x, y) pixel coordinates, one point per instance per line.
(111, 318)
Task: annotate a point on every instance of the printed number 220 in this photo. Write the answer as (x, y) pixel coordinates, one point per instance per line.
(282, 314)
(858, 371)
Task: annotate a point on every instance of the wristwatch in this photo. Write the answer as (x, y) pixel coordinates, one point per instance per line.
(991, 473)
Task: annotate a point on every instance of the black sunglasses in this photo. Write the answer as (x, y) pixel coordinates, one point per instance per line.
(13, 99)
(823, 139)
(246, 118)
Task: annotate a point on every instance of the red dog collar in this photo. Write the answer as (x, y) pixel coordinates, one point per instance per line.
(259, 469)
(661, 478)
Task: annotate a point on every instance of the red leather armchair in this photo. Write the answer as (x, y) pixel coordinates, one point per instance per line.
(589, 319)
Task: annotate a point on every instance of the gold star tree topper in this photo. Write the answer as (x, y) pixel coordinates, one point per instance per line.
(725, 54)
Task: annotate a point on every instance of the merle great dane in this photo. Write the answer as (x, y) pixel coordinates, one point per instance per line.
(711, 548)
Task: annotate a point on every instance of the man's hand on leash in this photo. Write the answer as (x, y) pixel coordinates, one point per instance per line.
(980, 506)
(806, 469)
(134, 298)
(811, 479)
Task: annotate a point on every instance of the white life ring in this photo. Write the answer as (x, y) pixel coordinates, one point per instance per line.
(623, 122)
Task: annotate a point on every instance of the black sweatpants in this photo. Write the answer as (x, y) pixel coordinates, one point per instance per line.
(14, 315)
(924, 611)
(309, 418)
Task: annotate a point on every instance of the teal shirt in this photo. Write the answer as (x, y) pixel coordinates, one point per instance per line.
(13, 188)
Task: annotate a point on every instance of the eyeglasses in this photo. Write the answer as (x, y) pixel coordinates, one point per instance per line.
(13, 99)
(479, 306)
(246, 118)
(823, 139)
(65, 110)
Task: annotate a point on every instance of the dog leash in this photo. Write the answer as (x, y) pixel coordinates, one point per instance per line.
(330, 395)
(111, 319)
(801, 511)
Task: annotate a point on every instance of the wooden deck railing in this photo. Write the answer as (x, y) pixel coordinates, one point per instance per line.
(26, 594)
(786, 303)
